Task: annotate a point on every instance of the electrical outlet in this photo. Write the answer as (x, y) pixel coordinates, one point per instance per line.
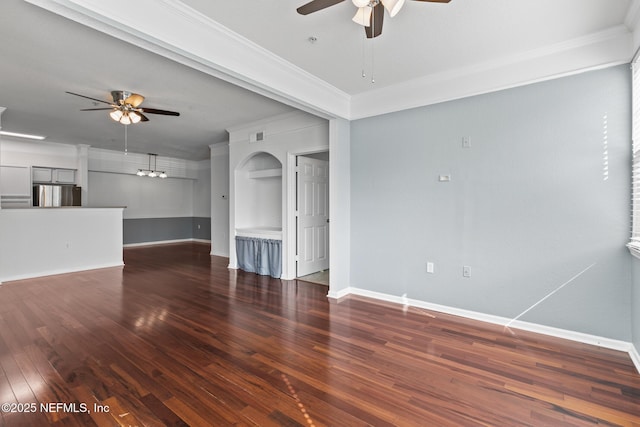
(444, 178)
(466, 142)
(466, 271)
(430, 267)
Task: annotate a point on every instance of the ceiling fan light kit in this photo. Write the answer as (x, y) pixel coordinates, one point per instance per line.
(125, 117)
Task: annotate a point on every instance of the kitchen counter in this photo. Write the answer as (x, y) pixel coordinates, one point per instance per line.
(44, 241)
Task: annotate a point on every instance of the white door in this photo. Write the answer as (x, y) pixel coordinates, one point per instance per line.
(313, 215)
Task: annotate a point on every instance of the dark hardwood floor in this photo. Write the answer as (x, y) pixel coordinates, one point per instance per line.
(175, 338)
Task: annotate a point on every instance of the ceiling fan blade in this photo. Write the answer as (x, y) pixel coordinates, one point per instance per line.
(142, 117)
(435, 1)
(96, 109)
(88, 97)
(316, 5)
(134, 99)
(377, 18)
(156, 111)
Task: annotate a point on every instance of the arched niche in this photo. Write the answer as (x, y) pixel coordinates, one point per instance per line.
(258, 194)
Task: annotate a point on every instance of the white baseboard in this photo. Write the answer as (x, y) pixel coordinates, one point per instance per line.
(59, 271)
(220, 254)
(498, 320)
(164, 242)
(205, 241)
(339, 294)
(635, 357)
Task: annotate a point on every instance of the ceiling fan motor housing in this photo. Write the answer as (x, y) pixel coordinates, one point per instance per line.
(123, 97)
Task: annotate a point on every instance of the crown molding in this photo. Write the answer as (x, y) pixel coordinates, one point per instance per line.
(201, 43)
(599, 50)
(632, 22)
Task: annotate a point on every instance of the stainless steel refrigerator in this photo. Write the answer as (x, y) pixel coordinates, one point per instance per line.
(45, 196)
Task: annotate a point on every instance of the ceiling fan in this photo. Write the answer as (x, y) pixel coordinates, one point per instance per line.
(370, 13)
(126, 108)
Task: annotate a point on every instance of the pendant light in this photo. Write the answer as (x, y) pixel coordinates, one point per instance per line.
(152, 173)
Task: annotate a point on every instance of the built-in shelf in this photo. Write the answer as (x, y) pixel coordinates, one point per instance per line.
(258, 190)
(260, 232)
(265, 173)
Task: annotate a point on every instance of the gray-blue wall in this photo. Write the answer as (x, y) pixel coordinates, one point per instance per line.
(149, 230)
(542, 194)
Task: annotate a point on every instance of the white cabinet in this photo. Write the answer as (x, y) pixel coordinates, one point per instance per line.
(64, 176)
(42, 174)
(54, 176)
(15, 186)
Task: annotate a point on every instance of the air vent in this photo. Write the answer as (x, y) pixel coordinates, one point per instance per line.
(256, 137)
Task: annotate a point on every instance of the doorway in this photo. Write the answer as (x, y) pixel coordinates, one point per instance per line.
(312, 219)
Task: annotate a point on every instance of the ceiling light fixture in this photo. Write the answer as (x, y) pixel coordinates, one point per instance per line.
(365, 7)
(22, 135)
(152, 173)
(125, 116)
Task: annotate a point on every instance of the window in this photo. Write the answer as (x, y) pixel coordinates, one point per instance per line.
(634, 244)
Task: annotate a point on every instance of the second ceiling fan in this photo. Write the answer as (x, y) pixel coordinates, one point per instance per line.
(370, 13)
(126, 108)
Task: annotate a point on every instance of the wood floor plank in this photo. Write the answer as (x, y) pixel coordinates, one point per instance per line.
(175, 338)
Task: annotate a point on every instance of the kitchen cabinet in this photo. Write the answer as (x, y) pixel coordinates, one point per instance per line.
(64, 176)
(15, 186)
(54, 176)
(42, 174)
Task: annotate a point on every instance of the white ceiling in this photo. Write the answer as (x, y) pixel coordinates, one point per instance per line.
(44, 55)
(422, 39)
